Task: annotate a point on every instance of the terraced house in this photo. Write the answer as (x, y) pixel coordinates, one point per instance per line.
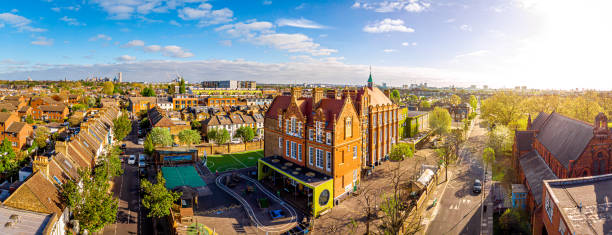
(14, 131)
(313, 149)
(37, 198)
(53, 112)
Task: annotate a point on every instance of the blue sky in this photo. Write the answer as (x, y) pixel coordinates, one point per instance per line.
(440, 42)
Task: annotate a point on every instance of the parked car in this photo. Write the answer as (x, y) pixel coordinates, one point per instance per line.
(477, 186)
(123, 146)
(142, 172)
(132, 160)
(142, 164)
(141, 141)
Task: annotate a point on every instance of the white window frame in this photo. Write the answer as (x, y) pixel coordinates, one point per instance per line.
(328, 138)
(299, 150)
(329, 160)
(280, 122)
(293, 150)
(311, 155)
(287, 148)
(319, 160)
(355, 152)
(280, 142)
(310, 134)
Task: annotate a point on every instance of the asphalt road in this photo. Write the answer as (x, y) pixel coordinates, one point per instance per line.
(459, 208)
(130, 217)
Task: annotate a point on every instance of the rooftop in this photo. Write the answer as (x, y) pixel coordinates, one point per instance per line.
(23, 222)
(301, 173)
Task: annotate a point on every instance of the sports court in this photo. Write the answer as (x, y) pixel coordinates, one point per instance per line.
(233, 161)
(182, 176)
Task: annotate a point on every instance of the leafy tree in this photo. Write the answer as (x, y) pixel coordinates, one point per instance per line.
(442, 153)
(502, 108)
(157, 198)
(220, 136)
(396, 213)
(581, 108)
(78, 107)
(144, 123)
(160, 137)
(171, 89)
(41, 135)
(509, 220)
(108, 88)
(473, 101)
(413, 98)
(395, 96)
(182, 86)
(401, 151)
(196, 125)
(488, 157)
(122, 126)
(245, 133)
(148, 145)
(500, 139)
(440, 121)
(90, 101)
(8, 160)
(29, 119)
(189, 137)
(455, 100)
(425, 104)
(212, 134)
(148, 92)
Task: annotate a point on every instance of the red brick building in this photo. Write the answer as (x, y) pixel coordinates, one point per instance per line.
(559, 147)
(56, 113)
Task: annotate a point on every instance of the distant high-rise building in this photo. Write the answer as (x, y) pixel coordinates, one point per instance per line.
(119, 77)
(230, 84)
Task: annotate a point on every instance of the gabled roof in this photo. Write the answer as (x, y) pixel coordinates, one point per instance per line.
(564, 137)
(4, 116)
(16, 127)
(536, 170)
(37, 194)
(539, 121)
(377, 97)
(524, 140)
(53, 108)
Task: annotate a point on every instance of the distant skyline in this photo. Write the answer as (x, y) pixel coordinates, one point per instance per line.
(499, 43)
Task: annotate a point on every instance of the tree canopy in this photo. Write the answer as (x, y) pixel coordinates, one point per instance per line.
(108, 88)
(440, 121)
(189, 137)
(488, 156)
(171, 89)
(394, 96)
(147, 92)
(455, 100)
(500, 139)
(41, 136)
(8, 161)
(122, 126)
(160, 137)
(219, 136)
(182, 86)
(473, 101)
(401, 151)
(245, 133)
(157, 198)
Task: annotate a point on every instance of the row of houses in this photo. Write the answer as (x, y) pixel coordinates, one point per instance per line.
(179, 102)
(34, 205)
(233, 121)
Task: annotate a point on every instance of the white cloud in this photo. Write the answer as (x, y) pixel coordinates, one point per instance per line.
(389, 50)
(70, 8)
(126, 9)
(263, 33)
(135, 43)
(406, 44)
(125, 58)
(71, 21)
(152, 48)
(301, 6)
(465, 27)
(56, 9)
(227, 43)
(173, 22)
(176, 51)
(14, 11)
(100, 37)
(206, 15)
(266, 2)
(393, 6)
(451, 20)
(42, 41)
(473, 54)
(299, 23)
(19, 22)
(388, 25)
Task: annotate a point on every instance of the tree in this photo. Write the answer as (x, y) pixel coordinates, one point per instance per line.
(368, 199)
(8, 160)
(148, 145)
(442, 153)
(108, 88)
(395, 96)
(212, 134)
(148, 92)
(396, 218)
(500, 139)
(473, 101)
(502, 108)
(488, 157)
(160, 137)
(455, 100)
(171, 89)
(41, 135)
(78, 107)
(425, 104)
(439, 121)
(189, 137)
(454, 139)
(196, 125)
(182, 86)
(509, 220)
(157, 198)
(245, 133)
(29, 119)
(581, 108)
(401, 151)
(222, 137)
(122, 126)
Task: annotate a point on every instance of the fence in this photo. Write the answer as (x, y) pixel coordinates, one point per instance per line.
(229, 148)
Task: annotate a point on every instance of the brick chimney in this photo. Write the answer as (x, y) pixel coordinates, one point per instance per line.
(41, 163)
(296, 92)
(317, 95)
(331, 94)
(61, 147)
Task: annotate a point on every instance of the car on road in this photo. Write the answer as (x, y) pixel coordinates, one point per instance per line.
(142, 164)
(477, 186)
(132, 160)
(140, 141)
(123, 146)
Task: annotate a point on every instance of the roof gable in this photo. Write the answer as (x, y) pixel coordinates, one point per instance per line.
(564, 137)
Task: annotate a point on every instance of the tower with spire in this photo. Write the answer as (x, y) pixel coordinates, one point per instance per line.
(370, 81)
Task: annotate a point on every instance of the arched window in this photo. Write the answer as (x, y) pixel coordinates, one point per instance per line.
(348, 128)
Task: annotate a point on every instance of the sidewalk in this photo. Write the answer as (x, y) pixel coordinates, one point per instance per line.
(486, 226)
(430, 211)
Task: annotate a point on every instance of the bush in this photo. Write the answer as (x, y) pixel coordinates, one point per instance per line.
(401, 151)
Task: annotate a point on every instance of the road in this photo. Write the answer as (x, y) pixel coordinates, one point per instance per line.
(127, 190)
(459, 208)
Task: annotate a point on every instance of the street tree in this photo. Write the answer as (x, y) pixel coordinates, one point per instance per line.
(182, 86)
(108, 88)
(148, 145)
(473, 101)
(122, 126)
(455, 100)
(500, 139)
(245, 133)
(488, 157)
(369, 199)
(440, 121)
(157, 198)
(442, 153)
(401, 151)
(41, 136)
(8, 160)
(189, 137)
(160, 137)
(396, 213)
(502, 108)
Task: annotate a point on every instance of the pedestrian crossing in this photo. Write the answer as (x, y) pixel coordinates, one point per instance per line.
(457, 205)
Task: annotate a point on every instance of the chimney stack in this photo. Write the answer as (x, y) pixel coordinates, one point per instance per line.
(317, 95)
(296, 92)
(41, 163)
(332, 94)
(61, 147)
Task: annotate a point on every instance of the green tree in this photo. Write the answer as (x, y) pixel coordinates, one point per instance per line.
(502, 108)
(29, 119)
(171, 89)
(41, 136)
(220, 136)
(212, 134)
(8, 160)
(442, 153)
(440, 121)
(157, 198)
(108, 88)
(161, 137)
(245, 133)
(122, 126)
(488, 157)
(413, 98)
(500, 139)
(509, 220)
(473, 101)
(148, 145)
(189, 137)
(425, 104)
(78, 107)
(148, 92)
(395, 96)
(196, 125)
(455, 100)
(182, 86)
(401, 151)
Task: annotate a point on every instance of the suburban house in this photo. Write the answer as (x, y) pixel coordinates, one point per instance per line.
(159, 118)
(182, 101)
(13, 130)
(138, 103)
(54, 112)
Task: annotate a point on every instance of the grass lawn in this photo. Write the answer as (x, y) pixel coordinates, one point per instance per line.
(233, 161)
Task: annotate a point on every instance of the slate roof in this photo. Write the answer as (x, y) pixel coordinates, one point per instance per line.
(53, 108)
(16, 127)
(564, 137)
(539, 121)
(536, 170)
(4, 116)
(158, 118)
(524, 140)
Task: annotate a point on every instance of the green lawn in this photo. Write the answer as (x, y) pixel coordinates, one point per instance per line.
(233, 161)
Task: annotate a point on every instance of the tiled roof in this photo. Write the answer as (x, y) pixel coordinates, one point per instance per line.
(37, 194)
(536, 170)
(16, 127)
(4, 116)
(377, 97)
(53, 108)
(564, 137)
